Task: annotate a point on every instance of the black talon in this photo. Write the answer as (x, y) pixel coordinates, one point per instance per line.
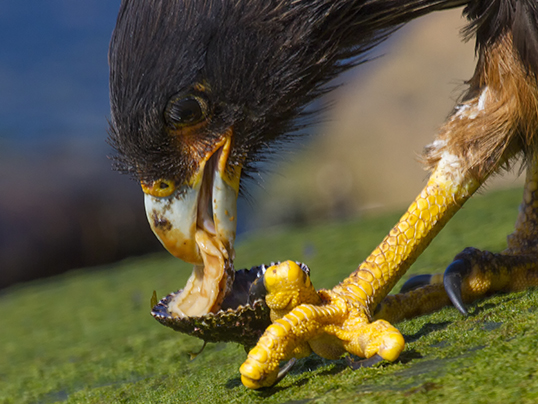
(415, 282)
(452, 281)
(365, 363)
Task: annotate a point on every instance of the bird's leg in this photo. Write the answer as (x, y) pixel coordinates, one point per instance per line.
(475, 273)
(497, 117)
(340, 320)
(414, 303)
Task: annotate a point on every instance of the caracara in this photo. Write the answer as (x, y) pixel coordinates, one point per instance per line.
(201, 89)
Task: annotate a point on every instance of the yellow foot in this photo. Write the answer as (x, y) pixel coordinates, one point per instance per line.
(330, 323)
(474, 274)
(307, 321)
(425, 298)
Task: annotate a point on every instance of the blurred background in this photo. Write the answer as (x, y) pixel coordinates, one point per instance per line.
(61, 206)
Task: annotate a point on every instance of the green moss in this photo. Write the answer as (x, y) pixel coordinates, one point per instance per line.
(88, 337)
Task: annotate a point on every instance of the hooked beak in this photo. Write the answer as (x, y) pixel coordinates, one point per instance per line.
(196, 222)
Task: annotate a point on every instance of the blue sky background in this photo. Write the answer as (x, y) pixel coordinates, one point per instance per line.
(61, 205)
(53, 69)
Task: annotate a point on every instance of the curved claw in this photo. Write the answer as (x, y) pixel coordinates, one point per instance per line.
(284, 370)
(415, 282)
(257, 289)
(193, 355)
(452, 281)
(365, 363)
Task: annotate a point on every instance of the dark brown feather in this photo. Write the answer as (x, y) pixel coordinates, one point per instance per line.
(491, 19)
(497, 118)
(525, 33)
(263, 61)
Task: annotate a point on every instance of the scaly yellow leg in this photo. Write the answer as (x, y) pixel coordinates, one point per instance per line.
(496, 119)
(340, 320)
(402, 306)
(475, 273)
(479, 273)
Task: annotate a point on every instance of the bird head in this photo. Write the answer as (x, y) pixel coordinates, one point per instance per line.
(200, 91)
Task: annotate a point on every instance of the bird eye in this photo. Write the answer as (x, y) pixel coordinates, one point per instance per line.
(184, 111)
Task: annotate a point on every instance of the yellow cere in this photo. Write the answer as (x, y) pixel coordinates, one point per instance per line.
(160, 189)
